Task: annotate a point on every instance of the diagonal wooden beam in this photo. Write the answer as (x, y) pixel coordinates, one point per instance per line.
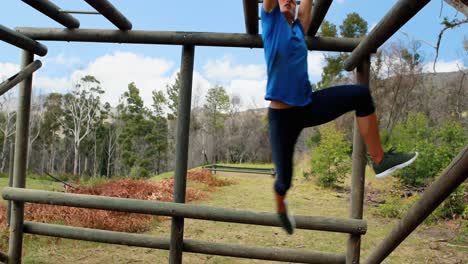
(400, 13)
(111, 13)
(319, 10)
(51, 10)
(21, 41)
(251, 16)
(20, 76)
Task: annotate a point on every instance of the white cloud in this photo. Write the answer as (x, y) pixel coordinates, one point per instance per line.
(248, 81)
(223, 69)
(115, 71)
(7, 70)
(63, 59)
(47, 85)
(200, 87)
(444, 66)
(315, 62)
(251, 92)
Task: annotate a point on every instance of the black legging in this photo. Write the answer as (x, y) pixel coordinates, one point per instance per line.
(285, 125)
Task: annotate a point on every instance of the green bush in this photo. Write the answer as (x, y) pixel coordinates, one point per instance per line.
(138, 172)
(453, 206)
(392, 208)
(450, 139)
(436, 146)
(395, 206)
(330, 161)
(93, 181)
(415, 135)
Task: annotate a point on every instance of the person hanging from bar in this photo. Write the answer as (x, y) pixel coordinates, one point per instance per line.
(294, 106)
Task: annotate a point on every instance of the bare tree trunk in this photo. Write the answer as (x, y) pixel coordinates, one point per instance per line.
(75, 161)
(95, 163)
(43, 158)
(108, 173)
(111, 145)
(64, 161)
(85, 169)
(459, 99)
(4, 152)
(31, 142)
(396, 91)
(52, 158)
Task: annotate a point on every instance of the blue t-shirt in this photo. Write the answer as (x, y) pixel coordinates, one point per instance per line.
(286, 58)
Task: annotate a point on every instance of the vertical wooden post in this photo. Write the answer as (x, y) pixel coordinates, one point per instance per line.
(180, 178)
(358, 173)
(10, 179)
(21, 156)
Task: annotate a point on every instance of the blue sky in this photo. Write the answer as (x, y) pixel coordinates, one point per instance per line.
(241, 71)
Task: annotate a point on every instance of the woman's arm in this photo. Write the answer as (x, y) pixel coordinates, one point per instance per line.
(269, 5)
(305, 13)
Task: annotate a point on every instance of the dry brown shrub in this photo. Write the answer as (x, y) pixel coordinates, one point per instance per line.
(110, 220)
(206, 177)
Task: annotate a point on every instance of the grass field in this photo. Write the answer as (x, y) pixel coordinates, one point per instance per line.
(429, 244)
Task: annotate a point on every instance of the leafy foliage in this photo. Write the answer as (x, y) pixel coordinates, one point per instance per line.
(328, 29)
(354, 26)
(436, 147)
(330, 160)
(144, 137)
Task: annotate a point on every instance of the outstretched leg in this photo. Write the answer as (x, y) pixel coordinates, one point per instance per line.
(330, 103)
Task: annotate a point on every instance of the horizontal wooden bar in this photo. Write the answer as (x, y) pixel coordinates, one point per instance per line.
(235, 167)
(189, 245)
(452, 177)
(111, 13)
(51, 10)
(319, 10)
(184, 210)
(241, 171)
(178, 38)
(400, 13)
(17, 78)
(21, 41)
(80, 12)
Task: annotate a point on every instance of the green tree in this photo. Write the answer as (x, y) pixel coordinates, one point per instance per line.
(330, 159)
(50, 128)
(217, 108)
(332, 71)
(159, 132)
(135, 128)
(328, 29)
(354, 26)
(172, 91)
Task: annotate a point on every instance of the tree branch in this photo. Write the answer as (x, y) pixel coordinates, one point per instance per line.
(448, 25)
